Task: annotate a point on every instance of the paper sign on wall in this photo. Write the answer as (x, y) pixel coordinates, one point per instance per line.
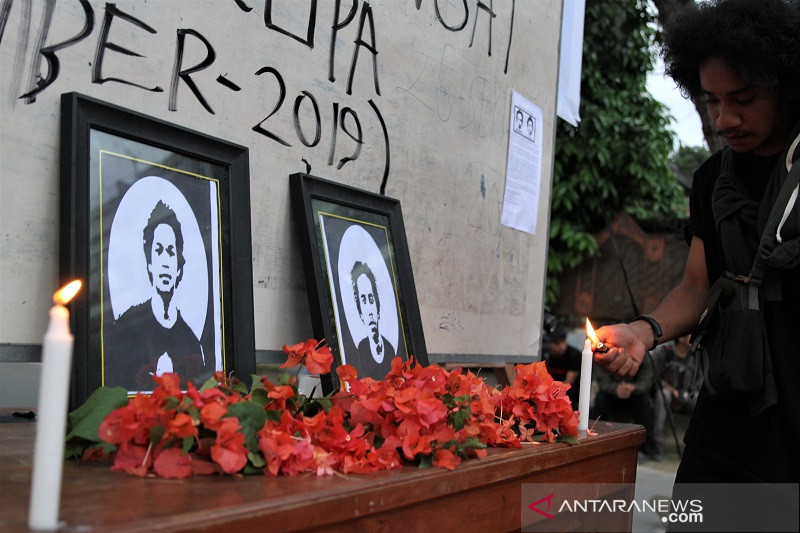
(524, 169)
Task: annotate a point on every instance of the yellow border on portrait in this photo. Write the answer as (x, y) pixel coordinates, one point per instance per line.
(102, 252)
(391, 264)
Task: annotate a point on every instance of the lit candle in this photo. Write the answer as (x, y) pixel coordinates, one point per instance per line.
(48, 455)
(586, 380)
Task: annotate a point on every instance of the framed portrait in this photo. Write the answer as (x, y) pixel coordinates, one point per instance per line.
(358, 275)
(155, 219)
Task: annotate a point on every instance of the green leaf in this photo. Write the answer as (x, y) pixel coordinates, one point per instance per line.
(84, 422)
(259, 396)
(210, 383)
(273, 415)
(473, 443)
(256, 383)
(313, 406)
(156, 434)
(249, 470)
(188, 444)
(74, 449)
(569, 439)
(459, 417)
(171, 402)
(252, 418)
(425, 461)
(256, 460)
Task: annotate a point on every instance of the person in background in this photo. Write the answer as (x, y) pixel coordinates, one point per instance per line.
(680, 379)
(564, 363)
(743, 59)
(623, 398)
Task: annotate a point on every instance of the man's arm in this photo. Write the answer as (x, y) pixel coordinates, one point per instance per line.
(678, 314)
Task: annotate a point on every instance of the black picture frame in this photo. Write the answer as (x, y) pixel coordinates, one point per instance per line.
(122, 172)
(340, 227)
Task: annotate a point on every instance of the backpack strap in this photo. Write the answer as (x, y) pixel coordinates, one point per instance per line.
(773, 250)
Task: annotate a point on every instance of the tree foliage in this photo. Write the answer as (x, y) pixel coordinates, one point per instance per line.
(619, 156)
(686, 160)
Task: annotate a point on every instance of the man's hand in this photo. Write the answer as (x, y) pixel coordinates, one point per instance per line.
(626, 348)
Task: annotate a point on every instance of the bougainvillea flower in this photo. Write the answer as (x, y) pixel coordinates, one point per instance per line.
(446, 459)
(167, 384)
(119, 426)
(431, 411)
(229, 451)
(295, 354)
(181, 426)
(172, 463)
(133, 459)
(211, 415)
(318, 360)
(369, 425)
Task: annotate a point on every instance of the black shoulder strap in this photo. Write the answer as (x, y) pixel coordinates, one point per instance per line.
(784, 203)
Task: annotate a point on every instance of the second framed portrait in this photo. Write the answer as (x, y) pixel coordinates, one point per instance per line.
(153, 216)
(358, 274)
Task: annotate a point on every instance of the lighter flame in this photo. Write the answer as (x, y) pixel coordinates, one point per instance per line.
(590, 332)
(67, 292)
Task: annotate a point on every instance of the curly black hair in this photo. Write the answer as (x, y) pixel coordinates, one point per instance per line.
(760, 39)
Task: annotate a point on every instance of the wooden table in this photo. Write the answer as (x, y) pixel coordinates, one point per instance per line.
(480, 495)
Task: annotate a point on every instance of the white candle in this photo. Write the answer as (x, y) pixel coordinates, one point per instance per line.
(586, 386)
(48, 455)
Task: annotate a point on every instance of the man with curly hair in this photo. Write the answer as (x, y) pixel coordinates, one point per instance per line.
(375, 352)
(743, 58)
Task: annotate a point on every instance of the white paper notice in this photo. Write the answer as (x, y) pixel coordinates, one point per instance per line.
(523, 177)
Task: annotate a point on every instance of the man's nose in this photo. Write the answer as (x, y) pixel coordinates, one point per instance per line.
(727, 118)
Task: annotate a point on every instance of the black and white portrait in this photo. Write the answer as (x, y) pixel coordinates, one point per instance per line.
(162, 310)
(364, 289)
(524, 123)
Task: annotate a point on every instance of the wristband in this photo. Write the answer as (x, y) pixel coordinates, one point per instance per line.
(657, 333)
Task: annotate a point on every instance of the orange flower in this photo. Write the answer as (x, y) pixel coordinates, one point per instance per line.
(346, 373)
(446, 459)
(431, 411)
(277, 447)
(168, 384)
(133, 459)
(295, 353)
(229, 451)
(319, 360)
(211, 415)
(172, 463)
(181, 426)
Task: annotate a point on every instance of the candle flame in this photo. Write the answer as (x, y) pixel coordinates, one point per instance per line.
(590, 332)
(67, 292)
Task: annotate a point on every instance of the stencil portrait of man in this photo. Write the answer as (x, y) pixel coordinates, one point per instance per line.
(368, 321)
(368, 303)
(153, 333)
(161, 317)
